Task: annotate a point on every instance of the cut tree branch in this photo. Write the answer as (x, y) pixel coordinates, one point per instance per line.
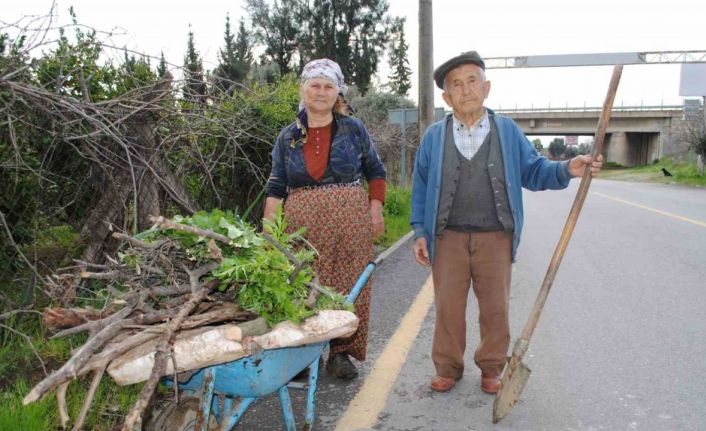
(134, 418)
(164, 224)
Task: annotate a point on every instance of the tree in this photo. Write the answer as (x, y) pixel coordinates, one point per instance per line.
(570, 152)
(277, 28)
(264, 72)
(194, 84)
(400, 78)
(389, 139)
(585, 148)
(89, 81)
(556, 148)
(373, 107)
(162, 66)
(354, 33)
(364, 33)
(693, 132)
(235, 58)
(538, 145)
(243, 44)
(133, 73)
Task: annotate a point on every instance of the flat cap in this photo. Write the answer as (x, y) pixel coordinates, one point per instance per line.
(469, 57)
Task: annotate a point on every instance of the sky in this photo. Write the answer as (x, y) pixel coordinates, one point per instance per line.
(494, 28)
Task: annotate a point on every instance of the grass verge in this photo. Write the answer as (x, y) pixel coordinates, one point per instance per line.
(20, 370)
(396, 213)
(682, 173)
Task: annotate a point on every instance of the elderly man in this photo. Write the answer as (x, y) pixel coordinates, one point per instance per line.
(467, 216)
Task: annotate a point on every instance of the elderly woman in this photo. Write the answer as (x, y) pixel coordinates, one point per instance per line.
(318, 166)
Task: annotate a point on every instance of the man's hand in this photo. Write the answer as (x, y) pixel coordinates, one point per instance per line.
(376, 215)
(578, 164)
(421, 251)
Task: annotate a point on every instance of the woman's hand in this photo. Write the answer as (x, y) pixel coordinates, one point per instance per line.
(271, 204)
(376, 216)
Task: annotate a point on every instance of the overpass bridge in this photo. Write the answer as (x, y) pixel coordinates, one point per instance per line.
(636, 136)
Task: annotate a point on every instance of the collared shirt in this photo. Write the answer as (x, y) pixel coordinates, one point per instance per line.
(469, 140)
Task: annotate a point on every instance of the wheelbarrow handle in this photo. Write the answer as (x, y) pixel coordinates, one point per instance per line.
(361, 282)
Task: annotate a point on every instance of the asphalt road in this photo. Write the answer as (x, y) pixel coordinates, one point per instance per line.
(620, 345)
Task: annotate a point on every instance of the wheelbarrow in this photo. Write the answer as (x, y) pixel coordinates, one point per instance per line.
(217, 397)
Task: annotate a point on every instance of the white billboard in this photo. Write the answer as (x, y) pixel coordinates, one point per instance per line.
(693, 79)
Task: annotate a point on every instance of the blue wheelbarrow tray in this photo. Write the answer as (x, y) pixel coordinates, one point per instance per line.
(227, 390)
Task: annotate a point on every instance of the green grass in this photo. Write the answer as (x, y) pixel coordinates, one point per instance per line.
(396, 213)
(40, 415)
(682, 173)
(110, 405)
(20, 370)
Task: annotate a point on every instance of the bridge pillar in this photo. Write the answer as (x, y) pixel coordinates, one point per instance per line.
(617, 149)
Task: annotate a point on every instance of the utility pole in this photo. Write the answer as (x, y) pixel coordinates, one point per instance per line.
(426, 66)
(700, 162)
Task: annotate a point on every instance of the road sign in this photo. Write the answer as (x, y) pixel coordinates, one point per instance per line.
(410, 115)
(692, 81)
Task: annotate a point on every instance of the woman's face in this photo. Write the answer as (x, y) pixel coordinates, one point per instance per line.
(319, 95)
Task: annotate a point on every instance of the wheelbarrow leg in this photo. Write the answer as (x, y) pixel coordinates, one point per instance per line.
(287, 413)
(230, 420)
(311, 397)
(205, 400)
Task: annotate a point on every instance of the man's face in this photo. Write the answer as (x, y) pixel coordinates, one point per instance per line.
(466, 90)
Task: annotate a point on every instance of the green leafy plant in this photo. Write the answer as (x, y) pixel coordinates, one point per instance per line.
(270, 282)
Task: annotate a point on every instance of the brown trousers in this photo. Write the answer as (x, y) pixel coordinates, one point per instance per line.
(482, 259)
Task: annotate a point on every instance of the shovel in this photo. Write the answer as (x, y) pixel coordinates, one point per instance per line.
(516, 373)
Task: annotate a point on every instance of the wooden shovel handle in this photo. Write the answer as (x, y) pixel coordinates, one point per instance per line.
(575, 209)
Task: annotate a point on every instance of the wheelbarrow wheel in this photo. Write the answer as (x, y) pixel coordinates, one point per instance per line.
(181, 417)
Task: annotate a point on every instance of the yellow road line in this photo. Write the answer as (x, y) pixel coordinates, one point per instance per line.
(665, 213)
(363, 411)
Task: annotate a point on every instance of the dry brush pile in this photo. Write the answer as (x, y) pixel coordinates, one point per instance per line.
(96, 141)
(91, 136)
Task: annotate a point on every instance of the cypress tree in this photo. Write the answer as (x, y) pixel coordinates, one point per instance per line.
(162, 66)
(243, 52)
(235, 59)
(400, 82)
(194, 85)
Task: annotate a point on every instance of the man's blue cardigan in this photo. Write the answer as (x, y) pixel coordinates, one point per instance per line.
(524, 167)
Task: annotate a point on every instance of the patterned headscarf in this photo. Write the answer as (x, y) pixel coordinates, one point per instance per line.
(324, 68)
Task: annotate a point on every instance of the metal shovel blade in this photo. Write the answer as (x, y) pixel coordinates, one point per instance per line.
(511, 386)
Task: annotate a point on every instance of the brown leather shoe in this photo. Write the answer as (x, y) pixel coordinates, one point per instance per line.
(490, 384)
(442, 384)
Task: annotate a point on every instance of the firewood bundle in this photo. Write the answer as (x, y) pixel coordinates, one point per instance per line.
(176, 279)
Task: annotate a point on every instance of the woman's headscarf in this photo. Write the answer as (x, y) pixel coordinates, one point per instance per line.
(328, 69)
(324, 68)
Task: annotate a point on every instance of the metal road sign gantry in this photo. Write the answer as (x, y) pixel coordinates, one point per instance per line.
(596, 59)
